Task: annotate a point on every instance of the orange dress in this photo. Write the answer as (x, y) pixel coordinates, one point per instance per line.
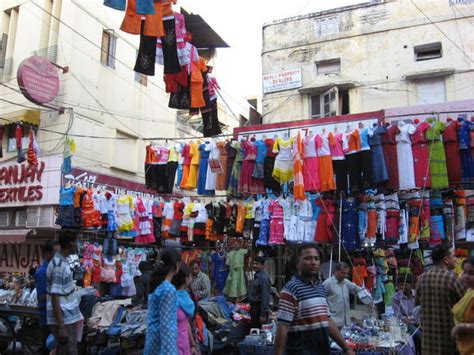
(191, 181)
(153, 23)
(222, 177)
(241, 212)
(326, 173)
(298, 186)
(186, 154)
(197, 82)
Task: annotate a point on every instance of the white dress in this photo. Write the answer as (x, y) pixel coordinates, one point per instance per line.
(211, 178)
(406, 169)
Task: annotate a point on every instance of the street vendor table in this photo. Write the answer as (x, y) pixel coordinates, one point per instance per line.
(29, 317)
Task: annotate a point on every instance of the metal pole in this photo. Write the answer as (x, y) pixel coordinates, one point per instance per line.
(340, 229)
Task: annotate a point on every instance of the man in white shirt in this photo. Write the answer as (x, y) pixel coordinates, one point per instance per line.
(338, 288)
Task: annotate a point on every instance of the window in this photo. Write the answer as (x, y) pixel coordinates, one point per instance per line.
(328, 66)
(9, 25)
(109, 45)
(326, 26)
(431, 90)
(331, 103)
(428, 51)
(125, 152)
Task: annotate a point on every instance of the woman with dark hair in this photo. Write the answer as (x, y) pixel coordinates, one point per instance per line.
(463, 311)
(186, 307)
(162, 321)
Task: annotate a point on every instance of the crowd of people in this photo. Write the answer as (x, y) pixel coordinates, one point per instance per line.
(438, 308)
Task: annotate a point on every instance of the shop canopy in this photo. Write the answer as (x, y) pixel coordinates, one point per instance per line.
(13, 236)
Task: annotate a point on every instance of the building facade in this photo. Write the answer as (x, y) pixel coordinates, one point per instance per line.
(109, 110)
(367, 57)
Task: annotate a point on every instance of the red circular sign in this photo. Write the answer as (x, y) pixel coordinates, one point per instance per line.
(38, 80)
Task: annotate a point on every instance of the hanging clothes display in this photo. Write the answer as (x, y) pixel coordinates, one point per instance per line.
(248, 184)
(365, 156)
(421, 156)
(311, 164)
(378, 163)
(353, 159)
(233, 188)
(390, 151)
(211, 177)
(283, 168)
(338, 161)
(466, 144)
(194, 153)
(221, 181)
(204, 150)
(269, 181)
(298, 186)
(439, 173)
(326, 175)
(451, 147)
(406, 170)
(235, 283)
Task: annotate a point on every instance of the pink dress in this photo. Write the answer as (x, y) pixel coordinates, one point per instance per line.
(310, 165)
(248, 185)
(277, 228)
(184, 347)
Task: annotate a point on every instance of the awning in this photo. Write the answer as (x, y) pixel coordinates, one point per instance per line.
(429, 73)
(27, 116)
(203, 34)
(13, 236)
(322, 86)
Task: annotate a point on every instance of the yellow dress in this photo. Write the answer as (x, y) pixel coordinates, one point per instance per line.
(283, 168)
(191, 182)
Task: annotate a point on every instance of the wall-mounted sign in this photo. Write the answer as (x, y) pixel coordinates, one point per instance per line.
(21, 257)
(30, 185)
(285, 80)
(38, 80)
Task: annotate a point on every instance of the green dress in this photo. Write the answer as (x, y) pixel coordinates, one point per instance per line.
(439, 172)
(235, 283)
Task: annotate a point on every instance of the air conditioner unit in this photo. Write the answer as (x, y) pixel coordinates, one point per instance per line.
(40, 217)
(4, 219)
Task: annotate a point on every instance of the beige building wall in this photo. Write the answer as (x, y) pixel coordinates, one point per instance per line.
(107, 101)
(375, 44)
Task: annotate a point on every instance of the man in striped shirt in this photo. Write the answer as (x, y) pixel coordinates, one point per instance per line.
(304, 324)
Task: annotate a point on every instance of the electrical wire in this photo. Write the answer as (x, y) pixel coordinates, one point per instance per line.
(441, 31)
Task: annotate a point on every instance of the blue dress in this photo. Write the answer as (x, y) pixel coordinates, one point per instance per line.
(162, 321)
(203, 166)
(379, 166)
(350, 221)
(220, 271)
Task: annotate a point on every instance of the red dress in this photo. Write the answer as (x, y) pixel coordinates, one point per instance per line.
(421, 156)
(325, 231)
(248, 185)
(451, 147)
(390, 152)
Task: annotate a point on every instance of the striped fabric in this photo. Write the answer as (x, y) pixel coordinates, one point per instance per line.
(60, 282)
(303, 307)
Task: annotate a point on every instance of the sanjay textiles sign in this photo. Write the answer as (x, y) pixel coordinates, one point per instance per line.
(30, 185)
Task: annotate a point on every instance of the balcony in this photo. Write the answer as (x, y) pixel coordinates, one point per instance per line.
(6, 69)
(50, 53)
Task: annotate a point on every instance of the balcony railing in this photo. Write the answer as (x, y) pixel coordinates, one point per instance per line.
(49, 52)
(6, 69)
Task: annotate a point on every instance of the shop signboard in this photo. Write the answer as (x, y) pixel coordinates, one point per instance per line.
(38, 80)
(284, 80)
(30, 185)
(114, 184)
(21, 257)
